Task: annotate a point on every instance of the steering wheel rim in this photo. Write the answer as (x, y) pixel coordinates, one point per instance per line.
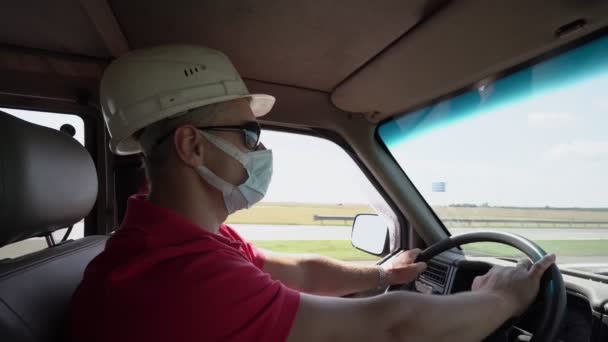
(552, 291)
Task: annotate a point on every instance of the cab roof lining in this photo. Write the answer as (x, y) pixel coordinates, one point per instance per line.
(377, 58)
(308, 44)
(61, 26)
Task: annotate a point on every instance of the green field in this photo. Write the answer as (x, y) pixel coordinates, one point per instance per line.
(338, 249)
(303, 214)
(580, 248)
(343, 250)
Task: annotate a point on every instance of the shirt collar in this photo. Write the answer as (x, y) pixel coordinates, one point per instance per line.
(164, 226)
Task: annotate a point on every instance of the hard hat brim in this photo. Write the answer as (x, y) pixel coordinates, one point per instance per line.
(261, 104)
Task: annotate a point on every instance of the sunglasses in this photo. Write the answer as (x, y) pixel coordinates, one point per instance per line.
(251, 133)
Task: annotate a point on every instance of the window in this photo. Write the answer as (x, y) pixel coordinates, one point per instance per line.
(55, 121)
(315, 193)
(526, 154)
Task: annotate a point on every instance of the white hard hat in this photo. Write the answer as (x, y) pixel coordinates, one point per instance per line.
(148, 85)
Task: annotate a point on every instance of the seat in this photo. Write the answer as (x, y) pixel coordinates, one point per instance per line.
(47, 182)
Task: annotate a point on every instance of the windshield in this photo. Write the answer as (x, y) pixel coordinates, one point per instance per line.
(527, 154)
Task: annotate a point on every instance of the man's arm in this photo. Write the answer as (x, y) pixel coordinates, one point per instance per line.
(315, 274)
(406, 316)
(399, 316)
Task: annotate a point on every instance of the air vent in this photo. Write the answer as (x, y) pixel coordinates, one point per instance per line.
(194, 69)
(436, 272)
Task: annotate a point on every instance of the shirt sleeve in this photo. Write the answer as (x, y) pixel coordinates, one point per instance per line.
(255, 254)
(235, 301)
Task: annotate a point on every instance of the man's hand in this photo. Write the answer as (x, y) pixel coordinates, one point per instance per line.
(404, 268)
(518, 286)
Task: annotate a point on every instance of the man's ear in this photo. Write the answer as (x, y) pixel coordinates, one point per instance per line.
(188, 145)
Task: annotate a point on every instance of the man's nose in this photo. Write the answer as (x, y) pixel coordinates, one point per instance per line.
(261, 147)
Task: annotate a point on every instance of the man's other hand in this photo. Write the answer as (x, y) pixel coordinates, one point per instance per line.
(403, 268)
(518, 286)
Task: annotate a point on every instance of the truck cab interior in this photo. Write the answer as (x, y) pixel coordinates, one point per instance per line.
(379, 79)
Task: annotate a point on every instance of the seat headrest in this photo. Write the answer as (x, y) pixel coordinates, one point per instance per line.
(47, 180)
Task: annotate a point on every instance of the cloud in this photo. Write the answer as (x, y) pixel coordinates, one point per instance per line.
(601, 104)
(580, 150)
(549, 119)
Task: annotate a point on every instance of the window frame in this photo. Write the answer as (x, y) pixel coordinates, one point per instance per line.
(406, 231)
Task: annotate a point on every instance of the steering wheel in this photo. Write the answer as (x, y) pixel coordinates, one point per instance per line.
(552, 293)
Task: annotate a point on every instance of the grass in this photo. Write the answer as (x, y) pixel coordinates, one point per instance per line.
(343, 250)
(338, 249)
(559, 247)
(303, 214)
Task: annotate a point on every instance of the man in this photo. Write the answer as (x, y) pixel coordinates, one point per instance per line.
(174, 271)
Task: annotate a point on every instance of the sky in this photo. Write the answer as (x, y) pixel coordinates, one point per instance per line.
(313, 170)
(52, 120)
(549, 150)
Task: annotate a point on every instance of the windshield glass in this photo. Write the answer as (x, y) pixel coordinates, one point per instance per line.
(527, 154)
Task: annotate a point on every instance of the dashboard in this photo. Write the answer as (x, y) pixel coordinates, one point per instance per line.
(452, 272)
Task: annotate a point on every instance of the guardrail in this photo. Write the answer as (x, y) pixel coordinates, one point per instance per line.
(523, 223)
(502, 222)
(321, 218)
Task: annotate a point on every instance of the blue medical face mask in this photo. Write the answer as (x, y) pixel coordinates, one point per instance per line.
(258, 165)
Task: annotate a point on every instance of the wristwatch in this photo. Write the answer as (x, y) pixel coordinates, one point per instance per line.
(382, 278)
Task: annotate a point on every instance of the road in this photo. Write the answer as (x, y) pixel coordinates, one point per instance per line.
(270, 232)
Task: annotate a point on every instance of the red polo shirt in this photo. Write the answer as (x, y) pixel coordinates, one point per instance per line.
(162, 278)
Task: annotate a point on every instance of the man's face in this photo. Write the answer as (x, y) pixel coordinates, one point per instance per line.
(236, 114)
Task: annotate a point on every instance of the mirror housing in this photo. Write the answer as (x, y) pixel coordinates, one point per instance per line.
(370, 234)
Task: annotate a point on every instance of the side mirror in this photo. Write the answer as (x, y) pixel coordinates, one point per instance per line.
(370, 234)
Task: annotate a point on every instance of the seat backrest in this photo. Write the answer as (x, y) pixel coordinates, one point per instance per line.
(36, 289)
(47, 182)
